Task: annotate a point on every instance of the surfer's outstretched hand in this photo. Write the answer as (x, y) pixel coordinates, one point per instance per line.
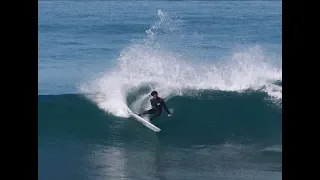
(169, 114)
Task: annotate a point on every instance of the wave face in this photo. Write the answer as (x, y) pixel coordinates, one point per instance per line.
(212, 117)
(226, 131)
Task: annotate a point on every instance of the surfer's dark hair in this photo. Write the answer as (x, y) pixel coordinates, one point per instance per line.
(154, 93)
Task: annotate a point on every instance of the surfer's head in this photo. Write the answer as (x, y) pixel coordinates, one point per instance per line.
(154, 94)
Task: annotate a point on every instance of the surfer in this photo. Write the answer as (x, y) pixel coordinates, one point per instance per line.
(157, 103)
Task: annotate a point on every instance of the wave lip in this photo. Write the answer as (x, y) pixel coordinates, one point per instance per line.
(140, 66)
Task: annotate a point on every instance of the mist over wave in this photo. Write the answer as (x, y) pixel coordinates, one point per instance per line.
(145, 66)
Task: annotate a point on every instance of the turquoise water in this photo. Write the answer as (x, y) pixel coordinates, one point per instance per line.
(216, 63)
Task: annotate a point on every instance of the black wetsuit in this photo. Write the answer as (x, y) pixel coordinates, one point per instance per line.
(157, 104)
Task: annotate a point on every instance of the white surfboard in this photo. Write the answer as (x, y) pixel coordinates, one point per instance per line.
(146, 122)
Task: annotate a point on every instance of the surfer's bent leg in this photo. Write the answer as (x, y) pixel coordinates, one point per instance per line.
(150, 111)
(156, 114)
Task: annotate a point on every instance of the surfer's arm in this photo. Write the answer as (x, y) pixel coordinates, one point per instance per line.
(165, 106)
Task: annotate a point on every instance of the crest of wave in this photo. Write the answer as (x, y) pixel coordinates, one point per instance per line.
(141, 66)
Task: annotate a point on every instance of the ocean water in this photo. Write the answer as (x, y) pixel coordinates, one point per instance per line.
(217, 64)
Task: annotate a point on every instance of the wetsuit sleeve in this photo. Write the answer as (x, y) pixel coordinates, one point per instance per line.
(165, 106)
